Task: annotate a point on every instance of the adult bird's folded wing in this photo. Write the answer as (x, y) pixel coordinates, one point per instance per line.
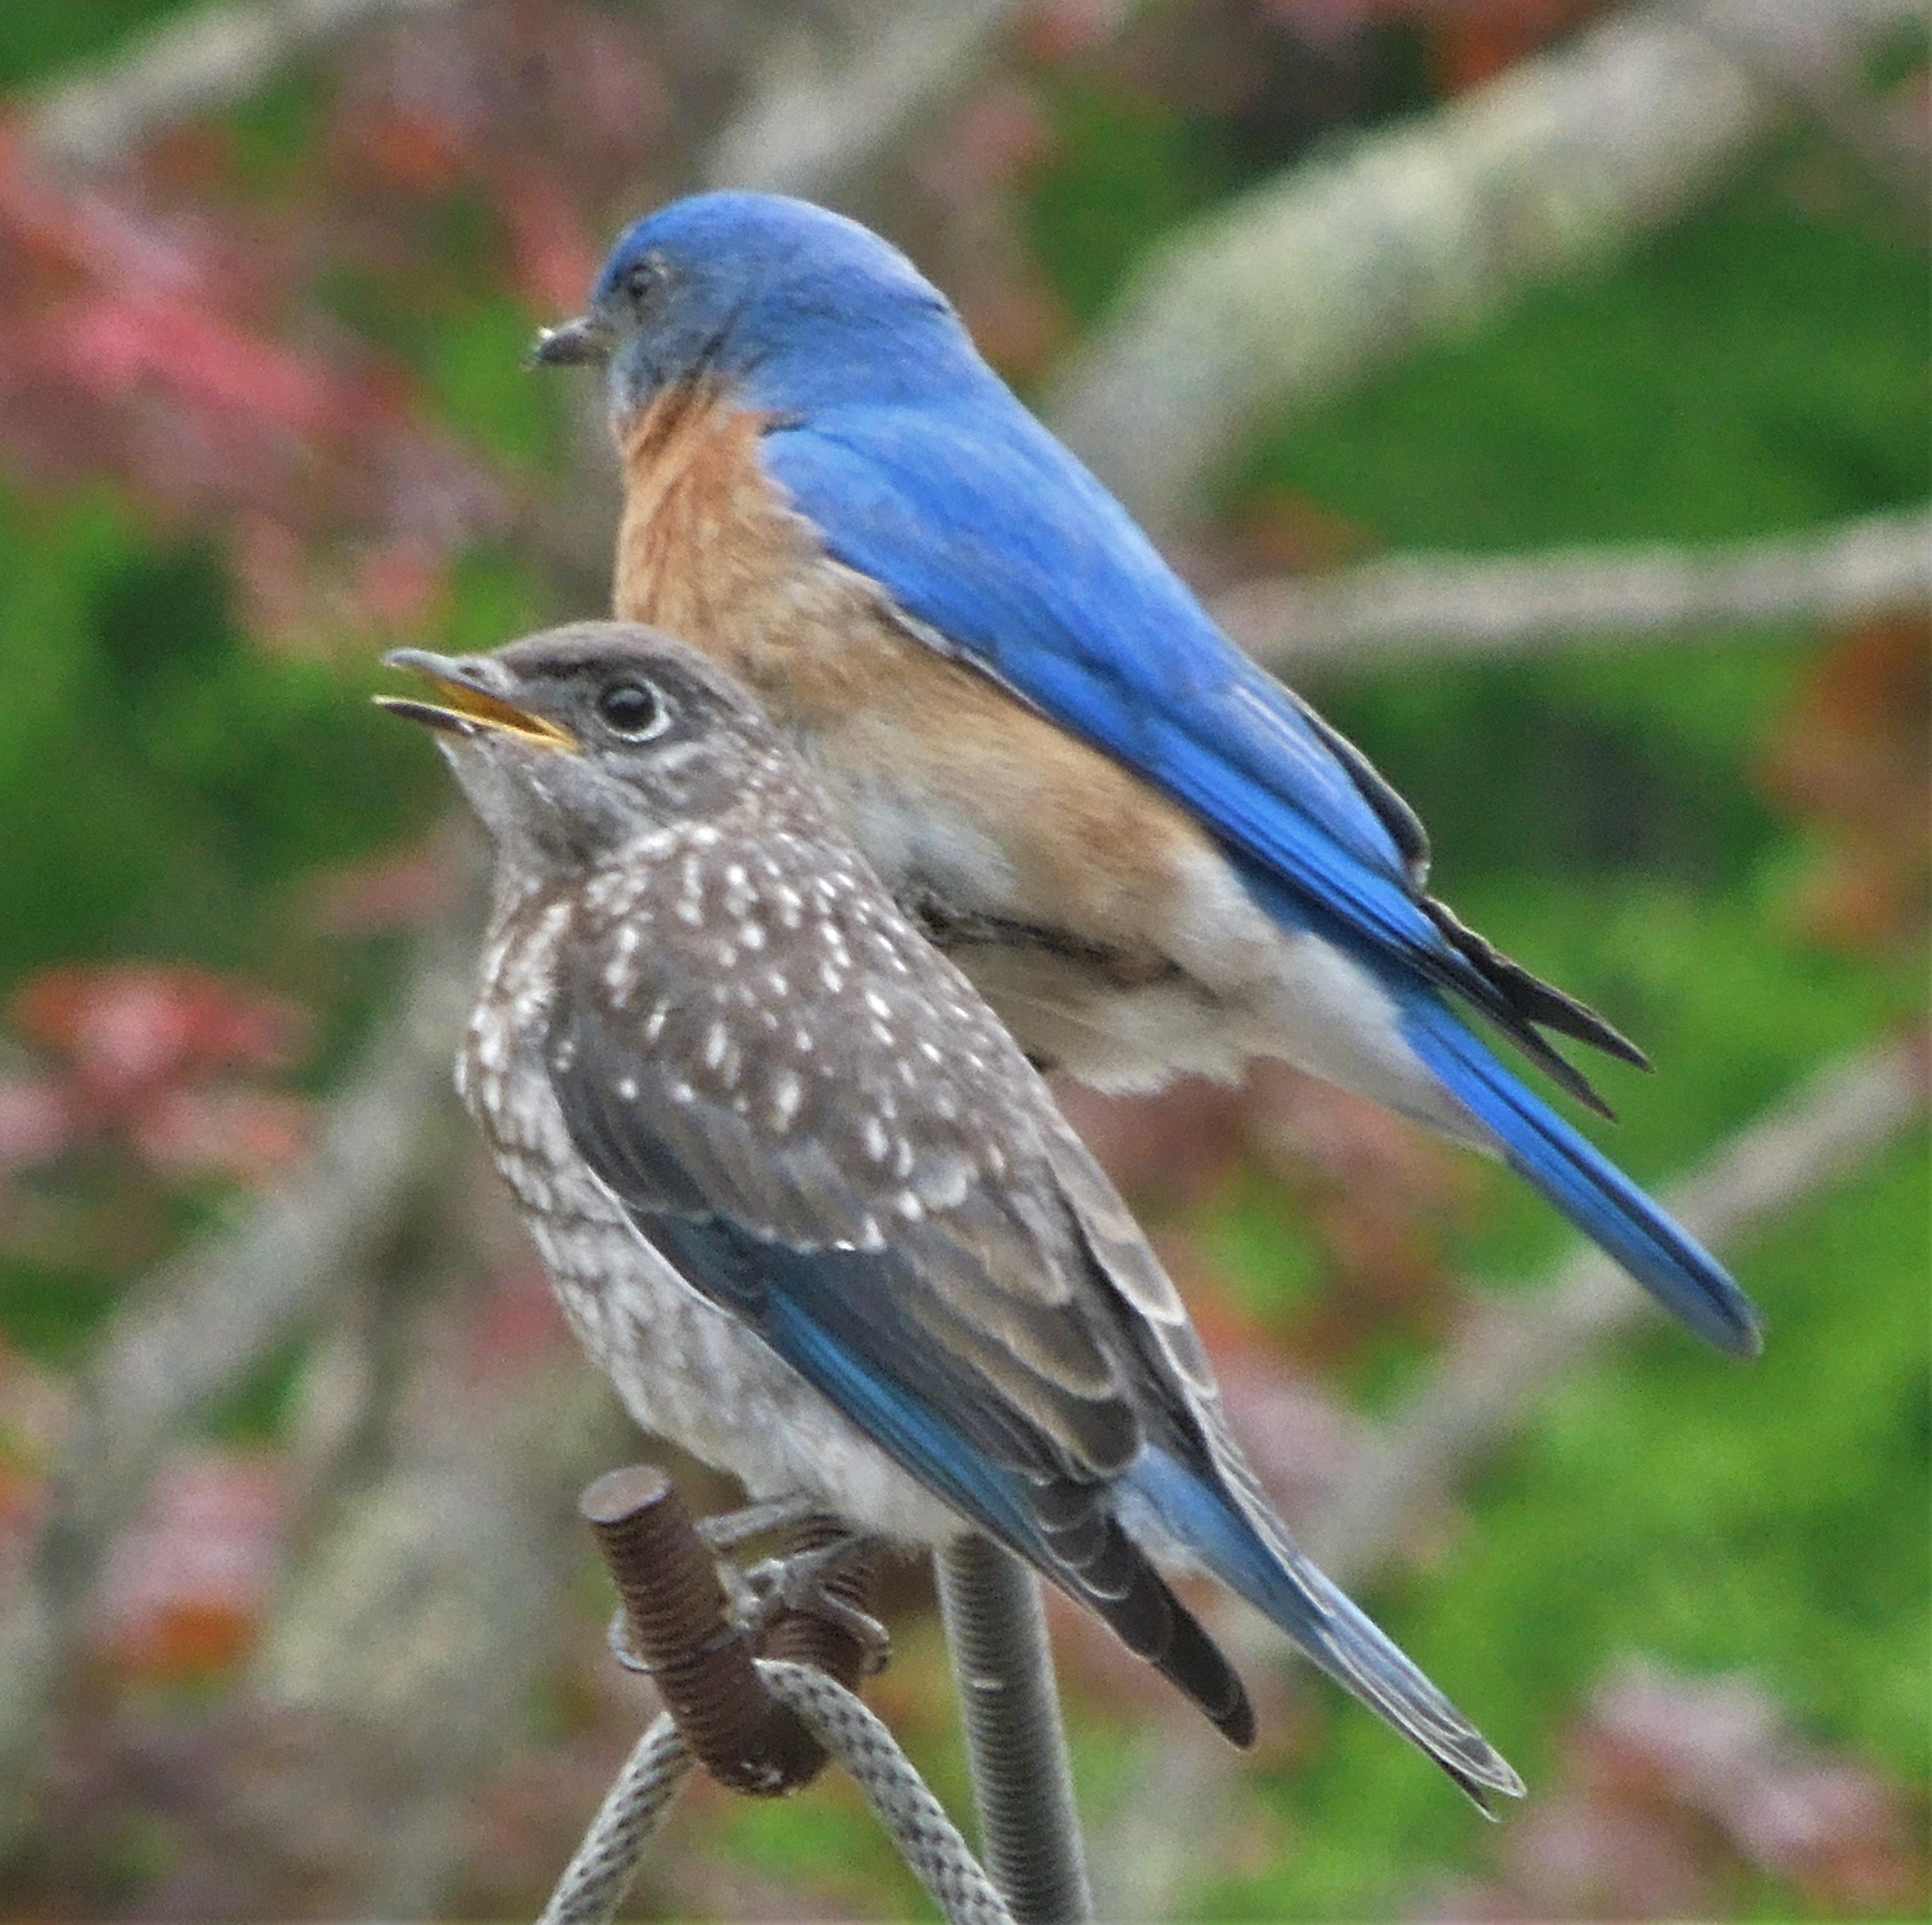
(999, 547)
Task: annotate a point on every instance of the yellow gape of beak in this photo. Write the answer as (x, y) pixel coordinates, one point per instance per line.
(466, 708)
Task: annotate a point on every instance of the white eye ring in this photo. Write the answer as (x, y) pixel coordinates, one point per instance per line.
(633, 710)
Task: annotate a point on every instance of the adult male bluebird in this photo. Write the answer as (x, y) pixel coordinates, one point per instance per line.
(1147, 854)
(802, 1197)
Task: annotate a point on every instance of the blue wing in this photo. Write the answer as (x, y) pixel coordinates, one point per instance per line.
(1002, 544)
(987, 532)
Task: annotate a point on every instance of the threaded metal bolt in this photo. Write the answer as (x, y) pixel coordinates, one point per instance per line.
(679, 1625)
(1029, 1827)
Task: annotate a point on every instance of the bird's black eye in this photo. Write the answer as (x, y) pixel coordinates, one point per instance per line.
(632, 710)
(642, 279)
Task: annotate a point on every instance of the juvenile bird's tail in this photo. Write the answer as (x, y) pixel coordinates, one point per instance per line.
(1244, 1547)
(1584, 1184)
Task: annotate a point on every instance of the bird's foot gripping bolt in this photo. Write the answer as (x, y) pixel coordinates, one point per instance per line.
(677, 1624)
(730, 1529)
(811, 1603)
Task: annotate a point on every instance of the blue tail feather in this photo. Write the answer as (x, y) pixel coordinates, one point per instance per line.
(1580, 1182)
(1256, 1560)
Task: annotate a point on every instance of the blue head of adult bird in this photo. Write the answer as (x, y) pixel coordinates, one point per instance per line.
(1148, 855)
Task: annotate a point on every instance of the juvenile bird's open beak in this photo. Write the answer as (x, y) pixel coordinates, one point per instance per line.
(470, 708)
(583, 342)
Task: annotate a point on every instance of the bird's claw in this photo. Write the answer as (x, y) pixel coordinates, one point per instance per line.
(747, 1601)
(873, 1640)
(798, 1584)
(730, 1529)
(617, 1635)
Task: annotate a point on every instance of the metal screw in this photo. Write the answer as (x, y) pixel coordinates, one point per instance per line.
(680, 1629)
(1029, 1826)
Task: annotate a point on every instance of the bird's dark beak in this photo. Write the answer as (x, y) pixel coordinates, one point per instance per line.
(584, 342)
(470, 708)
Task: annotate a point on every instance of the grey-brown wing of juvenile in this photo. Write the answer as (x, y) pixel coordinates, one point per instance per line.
(828, 1135)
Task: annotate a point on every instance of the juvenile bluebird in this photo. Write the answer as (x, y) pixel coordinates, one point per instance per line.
(1148, 855)
(802, 1197)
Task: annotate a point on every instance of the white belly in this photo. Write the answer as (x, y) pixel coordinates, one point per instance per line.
(691, 1372)
(1240, 986)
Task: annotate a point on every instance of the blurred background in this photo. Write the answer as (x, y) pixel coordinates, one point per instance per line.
(1540, 385)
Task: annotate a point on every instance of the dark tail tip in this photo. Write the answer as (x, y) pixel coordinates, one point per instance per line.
(1194, 1661)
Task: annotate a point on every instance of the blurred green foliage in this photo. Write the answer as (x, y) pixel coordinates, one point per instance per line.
(163, 778)
(36, 41)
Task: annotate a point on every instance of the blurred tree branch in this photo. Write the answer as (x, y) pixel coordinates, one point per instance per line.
(1512, 1352)
(1800, 62)
(192, 1332)
(414, 1635)
(197, 62)
(811, 125)
(1415, 604)
(814, 130)
(1314, 281)
(205, 1318)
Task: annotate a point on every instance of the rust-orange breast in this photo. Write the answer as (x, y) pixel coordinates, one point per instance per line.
(708, 550)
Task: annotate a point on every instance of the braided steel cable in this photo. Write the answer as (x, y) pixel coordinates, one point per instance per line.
(639, 1800)
(928, 1840)
(601, 1872)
